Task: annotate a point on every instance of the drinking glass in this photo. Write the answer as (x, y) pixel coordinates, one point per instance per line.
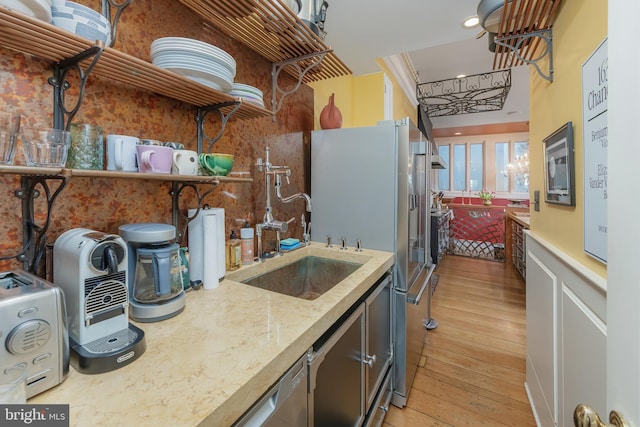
(87, 148)
(9, 129)
(45, 147)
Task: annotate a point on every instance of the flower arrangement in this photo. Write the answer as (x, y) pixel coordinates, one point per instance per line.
(486, 195)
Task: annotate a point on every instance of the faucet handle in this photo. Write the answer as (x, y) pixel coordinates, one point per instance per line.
(343, 244)
(358, 245)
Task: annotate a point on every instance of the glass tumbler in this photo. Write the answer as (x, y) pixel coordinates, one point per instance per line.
(9, 129)
(87, 147)
(45, 147)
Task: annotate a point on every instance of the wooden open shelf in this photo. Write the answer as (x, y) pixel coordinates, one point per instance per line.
(522, 18)
(46, 41)
(273, 31)
(87, 173)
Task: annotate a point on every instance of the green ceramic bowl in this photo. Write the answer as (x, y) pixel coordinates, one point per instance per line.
(216, 163)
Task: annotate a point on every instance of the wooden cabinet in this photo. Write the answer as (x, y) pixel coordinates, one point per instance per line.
(515, 244)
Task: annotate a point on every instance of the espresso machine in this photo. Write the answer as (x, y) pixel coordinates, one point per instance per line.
(91, 268)
(155, 283)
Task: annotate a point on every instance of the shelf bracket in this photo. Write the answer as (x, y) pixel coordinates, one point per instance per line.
(106, 12)
(224, 117)
(33, 234)
(314, 59)
(515, 43)
(176, 192)
(61, 116)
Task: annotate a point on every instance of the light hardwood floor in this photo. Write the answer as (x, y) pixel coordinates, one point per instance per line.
(473, 366)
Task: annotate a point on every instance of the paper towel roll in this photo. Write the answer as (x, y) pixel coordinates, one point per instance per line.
(196, 242)
(197, 237)
(210, 250)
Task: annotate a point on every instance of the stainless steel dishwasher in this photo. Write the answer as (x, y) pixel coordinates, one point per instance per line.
(285, 404)
(336, 374)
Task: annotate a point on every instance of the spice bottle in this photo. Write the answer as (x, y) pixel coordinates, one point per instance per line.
(246, 243)
(233, 252)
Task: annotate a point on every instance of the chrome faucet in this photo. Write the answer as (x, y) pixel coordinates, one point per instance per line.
(268, 222)
(293, 197)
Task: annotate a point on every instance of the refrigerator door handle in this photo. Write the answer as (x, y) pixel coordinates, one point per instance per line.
(415, 298)
(413, 201)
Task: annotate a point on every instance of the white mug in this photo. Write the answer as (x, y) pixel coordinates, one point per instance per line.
(185, 162)
(121, 153)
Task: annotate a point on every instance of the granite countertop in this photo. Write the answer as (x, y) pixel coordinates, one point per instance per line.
(207, 365)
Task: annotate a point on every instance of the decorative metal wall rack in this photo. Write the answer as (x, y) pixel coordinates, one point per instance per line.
(470, 94)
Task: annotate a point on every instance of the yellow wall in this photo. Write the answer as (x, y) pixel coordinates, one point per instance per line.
(368, 99)
(343, 89)
(402, 106)
(361, 99)
(579, 29)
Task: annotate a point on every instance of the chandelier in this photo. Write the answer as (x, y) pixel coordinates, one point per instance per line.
(469, 94)
(519, 169)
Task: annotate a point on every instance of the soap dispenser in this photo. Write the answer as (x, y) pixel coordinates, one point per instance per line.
(233, 252)
(246, 242)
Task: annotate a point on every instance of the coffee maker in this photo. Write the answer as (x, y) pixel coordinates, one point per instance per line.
(155, 283)
(91, 268)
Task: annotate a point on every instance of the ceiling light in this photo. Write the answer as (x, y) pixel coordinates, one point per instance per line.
(471, 21)
(460, 76)
(457, 133)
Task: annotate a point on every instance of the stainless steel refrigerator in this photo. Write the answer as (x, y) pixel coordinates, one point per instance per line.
(371, 185)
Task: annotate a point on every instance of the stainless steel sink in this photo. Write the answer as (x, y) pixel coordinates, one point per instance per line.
(306, 278)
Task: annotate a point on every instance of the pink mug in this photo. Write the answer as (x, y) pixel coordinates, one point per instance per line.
(154, 158)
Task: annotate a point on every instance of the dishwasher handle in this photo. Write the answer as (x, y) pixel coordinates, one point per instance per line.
(426, 281)
(276, 396)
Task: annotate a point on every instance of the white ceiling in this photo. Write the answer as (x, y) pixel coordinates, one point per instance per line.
(431, 32)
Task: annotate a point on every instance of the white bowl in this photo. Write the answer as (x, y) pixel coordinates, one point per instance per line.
(81, 20)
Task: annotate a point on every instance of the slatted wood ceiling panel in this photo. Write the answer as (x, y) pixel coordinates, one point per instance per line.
(522, 17)
(272, 30)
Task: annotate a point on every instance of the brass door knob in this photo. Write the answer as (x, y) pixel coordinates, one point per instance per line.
(586, 416)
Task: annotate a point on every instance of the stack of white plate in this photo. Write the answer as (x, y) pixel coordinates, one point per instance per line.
(248, 93)
(40, 9)
(195, 60)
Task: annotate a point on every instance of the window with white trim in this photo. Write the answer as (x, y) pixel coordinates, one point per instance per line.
(496, 162)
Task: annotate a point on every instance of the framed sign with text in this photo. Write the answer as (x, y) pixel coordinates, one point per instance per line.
(595, 140)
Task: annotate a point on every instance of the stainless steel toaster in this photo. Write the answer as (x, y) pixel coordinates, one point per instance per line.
(33, 330)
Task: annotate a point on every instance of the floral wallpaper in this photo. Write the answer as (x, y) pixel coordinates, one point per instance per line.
(103, 204)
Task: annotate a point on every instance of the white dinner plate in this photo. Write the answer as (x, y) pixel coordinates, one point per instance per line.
(201, 71)
(196, 65)
(244, 88)
(201, 76)
(40, 9)
(194, 55)
(191, 45)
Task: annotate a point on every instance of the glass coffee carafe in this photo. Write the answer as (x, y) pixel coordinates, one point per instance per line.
(157, 274)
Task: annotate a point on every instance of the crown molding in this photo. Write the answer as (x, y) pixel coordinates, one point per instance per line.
(404, 72)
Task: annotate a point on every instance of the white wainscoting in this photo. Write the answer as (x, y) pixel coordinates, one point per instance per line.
(566, 335)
